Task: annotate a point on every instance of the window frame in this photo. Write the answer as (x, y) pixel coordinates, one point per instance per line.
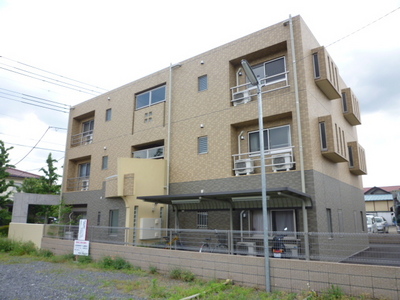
(202, 220)
(261, 70)
(108, 114)
(323, 136)
(82, 166)
(150, 97)
(202, 83)
(113, 219)
(104, 162)
(267, 139)
(202, 144)
(146, 151)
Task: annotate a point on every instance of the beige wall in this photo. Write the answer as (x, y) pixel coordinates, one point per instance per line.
(26, 232)
(286, 274)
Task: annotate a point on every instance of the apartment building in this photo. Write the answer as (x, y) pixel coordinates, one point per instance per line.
(180, 147)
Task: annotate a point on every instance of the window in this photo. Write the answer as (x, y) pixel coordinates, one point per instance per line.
(329, 221)
(341, 221)
(87, 131)
(156, 152)
(161, 213)
(113, 221)
(274, 138)
(98, 218)
(151, 97)
(279, 220)
(271, 71)
(344, 102)
(202, 83)
(84, 170)
(351, 159)
(104, 163)
(202, 219)
(316, 66)
(135, 221)
(108, 114)
(322, 131)
(202, 145)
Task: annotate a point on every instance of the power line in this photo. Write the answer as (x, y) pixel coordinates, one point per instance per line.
(64, 111)
(33, 67)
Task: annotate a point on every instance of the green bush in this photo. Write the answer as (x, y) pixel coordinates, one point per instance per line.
(182, 275)
(24, 248)
(84, 259)
(6, 245)
(4, 230)
(45, 253)
(116, 263)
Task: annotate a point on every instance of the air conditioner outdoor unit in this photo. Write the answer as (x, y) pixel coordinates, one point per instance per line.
(88, 139)
(244, 166)
(85, 185)
(282, 162)
(241, 97)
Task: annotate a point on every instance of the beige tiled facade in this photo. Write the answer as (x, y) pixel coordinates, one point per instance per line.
(188, 114)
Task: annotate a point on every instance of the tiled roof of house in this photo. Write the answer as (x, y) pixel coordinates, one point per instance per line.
(388, 189)
(384, 197)
(21, 174)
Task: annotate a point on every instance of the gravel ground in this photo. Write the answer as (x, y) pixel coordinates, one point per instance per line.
(43, 280)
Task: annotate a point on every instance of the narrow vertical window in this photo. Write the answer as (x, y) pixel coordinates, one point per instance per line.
(202, 219)
(316, 65)
(135, 222)
(202, 83)
(108, 114)
(161, 213)
(322, 131)
(341, 221)
(202, 145)
(104, 163)
(329, 221)
(351, 159)
(344, 103)
(362, 221)
(98, 218)
(113, 221)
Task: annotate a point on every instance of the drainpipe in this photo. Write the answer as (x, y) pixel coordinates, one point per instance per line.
(299, 133)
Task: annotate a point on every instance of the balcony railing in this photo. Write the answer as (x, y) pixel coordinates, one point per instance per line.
(246, 92)
(156, 152)
(78, 184)
(83, 138)
(280, 159)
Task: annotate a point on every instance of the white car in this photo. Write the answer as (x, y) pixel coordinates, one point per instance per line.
(381, 225)
(371, 224)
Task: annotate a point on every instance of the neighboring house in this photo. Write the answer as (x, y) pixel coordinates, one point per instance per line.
(379, 201)
(186, 138)
(18, 176)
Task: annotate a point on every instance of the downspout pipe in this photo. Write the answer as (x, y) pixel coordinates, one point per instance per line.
(299, 133)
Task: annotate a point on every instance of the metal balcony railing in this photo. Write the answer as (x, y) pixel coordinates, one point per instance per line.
(78, 184)
(83, 138)
(280, 159)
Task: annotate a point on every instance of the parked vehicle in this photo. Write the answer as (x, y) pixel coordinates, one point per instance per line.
(371, 224)
(278, 246)
(381, 225)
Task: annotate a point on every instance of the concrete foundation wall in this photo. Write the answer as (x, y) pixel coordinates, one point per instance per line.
(286, 275)
(23, 232)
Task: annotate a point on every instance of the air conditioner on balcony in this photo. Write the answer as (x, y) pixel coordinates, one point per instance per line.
(88, 139)
(85, 185)
(241, 97)
(282, 162)
(244, 166)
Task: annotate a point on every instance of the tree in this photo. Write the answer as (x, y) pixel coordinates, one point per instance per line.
(5, 215)
(46, 184)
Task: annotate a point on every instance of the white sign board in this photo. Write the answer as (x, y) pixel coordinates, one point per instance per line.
(81, 247)
(82, 229)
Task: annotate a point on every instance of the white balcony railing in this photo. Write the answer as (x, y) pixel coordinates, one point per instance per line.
(156, 152)
(83, 138)
(280, 159)
(244, 93)
(78, 184)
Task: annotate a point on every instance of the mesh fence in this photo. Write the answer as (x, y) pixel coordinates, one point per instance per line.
(379, 249)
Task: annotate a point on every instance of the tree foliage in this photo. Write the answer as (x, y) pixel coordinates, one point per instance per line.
(5, 184)
(46, 184)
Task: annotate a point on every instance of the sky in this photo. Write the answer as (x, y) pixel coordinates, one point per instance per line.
(58, 53)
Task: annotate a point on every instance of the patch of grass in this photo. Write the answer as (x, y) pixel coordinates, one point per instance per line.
(156, 291)
(153, 270)
(45, 253)
(20, 248)
(84, 259)
(116, 263)
(182, 275)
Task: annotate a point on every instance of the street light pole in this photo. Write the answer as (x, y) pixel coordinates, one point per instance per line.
(255, 82)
